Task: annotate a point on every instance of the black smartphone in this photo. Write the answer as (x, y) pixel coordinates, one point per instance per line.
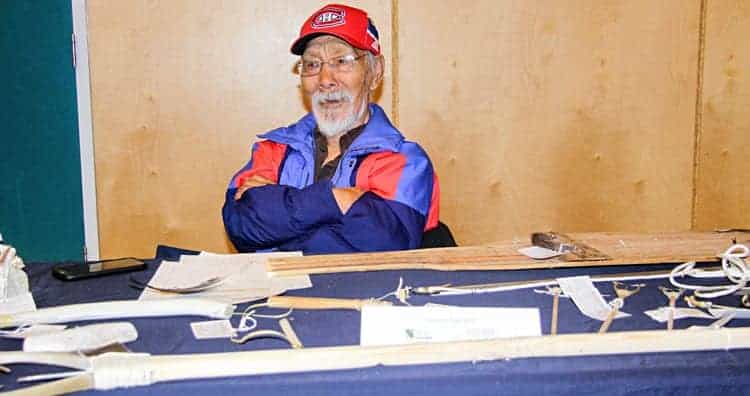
(75, 271)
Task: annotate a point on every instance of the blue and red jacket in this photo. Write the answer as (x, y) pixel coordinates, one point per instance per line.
(400, 203)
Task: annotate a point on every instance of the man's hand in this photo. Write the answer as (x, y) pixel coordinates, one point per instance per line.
(345, 197)
(254, 181)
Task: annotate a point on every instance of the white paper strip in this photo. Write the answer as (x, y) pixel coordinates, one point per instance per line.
(84, 338)
(212, 329)
(243, 277)
(586, 297)
(383, 325)
(661, 314)
(539, 253)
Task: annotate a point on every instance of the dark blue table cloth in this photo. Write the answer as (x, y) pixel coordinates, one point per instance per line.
(686, 373)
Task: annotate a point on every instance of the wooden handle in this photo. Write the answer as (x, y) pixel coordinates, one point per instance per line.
(320, 303)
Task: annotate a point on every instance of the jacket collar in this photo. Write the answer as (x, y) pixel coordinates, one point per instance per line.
(379, 134)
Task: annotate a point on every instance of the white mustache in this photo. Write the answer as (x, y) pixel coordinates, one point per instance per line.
(336, 96)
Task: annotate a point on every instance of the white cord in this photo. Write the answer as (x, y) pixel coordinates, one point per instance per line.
(733, 267)
(402, 293)
(249, 315)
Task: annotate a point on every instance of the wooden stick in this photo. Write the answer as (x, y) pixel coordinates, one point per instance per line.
(623, 249)
(555, 309)
(320, 303)
(290, 334)
(216, 365)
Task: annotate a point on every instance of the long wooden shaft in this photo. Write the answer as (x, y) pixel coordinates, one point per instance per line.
(215, 365)
(624, 249)
(179, 367)
(320, 303)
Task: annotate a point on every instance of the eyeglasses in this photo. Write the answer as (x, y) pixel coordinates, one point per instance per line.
(312, 67)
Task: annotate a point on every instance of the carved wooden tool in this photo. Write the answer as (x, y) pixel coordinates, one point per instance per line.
(623, 291)
(620, 248)
(287, 334)
(672, 295)
(320, 303)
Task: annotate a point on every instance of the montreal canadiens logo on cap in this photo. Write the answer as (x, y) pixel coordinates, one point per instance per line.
(329, 17)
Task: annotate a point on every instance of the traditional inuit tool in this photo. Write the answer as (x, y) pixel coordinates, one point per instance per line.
(320, 303)
(287, 334)
(110, 371)
(621, 248)
(120, 309)
(448, 289)
(623, 291)
(291, 302)
(672, 294)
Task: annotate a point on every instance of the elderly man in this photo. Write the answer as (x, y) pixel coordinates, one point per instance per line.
(341, 179)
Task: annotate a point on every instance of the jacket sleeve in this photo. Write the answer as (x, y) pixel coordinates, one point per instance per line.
(392, 215)
(265, 160)
(371, 224)
(268, 216)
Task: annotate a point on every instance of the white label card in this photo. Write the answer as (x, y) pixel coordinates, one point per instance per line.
(383, 325)
(212, 329)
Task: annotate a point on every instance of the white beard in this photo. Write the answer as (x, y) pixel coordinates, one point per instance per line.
(327, 124)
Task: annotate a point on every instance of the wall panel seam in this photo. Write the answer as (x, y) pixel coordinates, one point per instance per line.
(698, 131)
(394, 63)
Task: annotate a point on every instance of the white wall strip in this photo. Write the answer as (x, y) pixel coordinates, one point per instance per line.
(85, 130)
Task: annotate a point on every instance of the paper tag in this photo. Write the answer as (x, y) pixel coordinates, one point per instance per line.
(243, 277)
(212, 329)
(587, 298)
(661, 314)
(539, 253)
(84, 338)
(384, 325)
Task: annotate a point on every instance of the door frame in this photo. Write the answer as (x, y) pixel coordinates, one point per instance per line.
(85, 129)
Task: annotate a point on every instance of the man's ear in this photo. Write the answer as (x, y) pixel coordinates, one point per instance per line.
(378, 69)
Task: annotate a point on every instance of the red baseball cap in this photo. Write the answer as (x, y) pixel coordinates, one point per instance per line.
(347, 23)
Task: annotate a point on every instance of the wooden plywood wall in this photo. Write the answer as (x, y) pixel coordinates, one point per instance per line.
(722, 187)
(568, 115)
(179, 91)
(576, 115)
